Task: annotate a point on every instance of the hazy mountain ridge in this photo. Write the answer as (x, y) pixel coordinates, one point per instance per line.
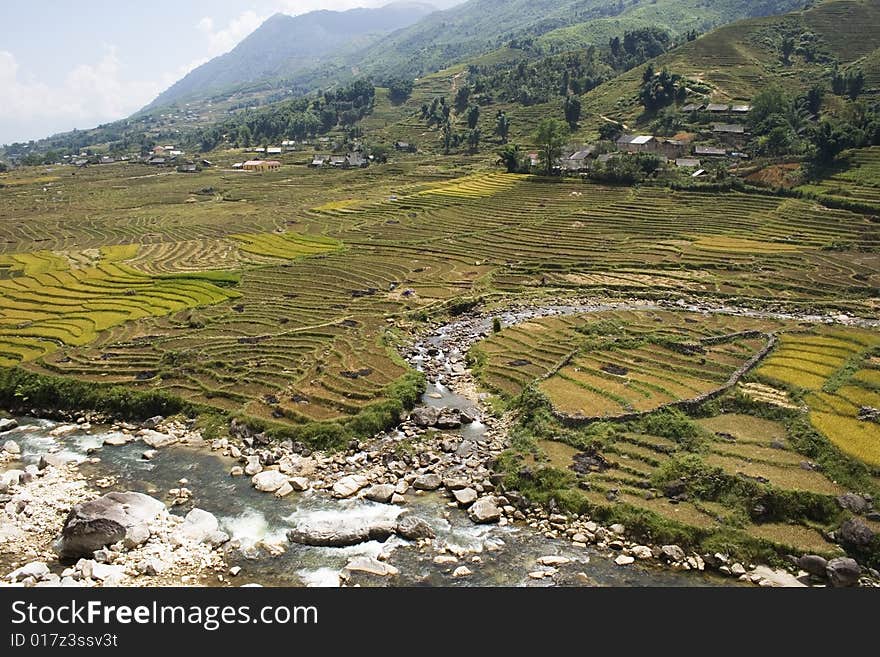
(285, 45)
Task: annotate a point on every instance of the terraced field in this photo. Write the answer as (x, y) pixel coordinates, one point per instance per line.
(325, 261)
(856, 179)
(617, 363)
(754, 450)
(48, 301)
(838, 372)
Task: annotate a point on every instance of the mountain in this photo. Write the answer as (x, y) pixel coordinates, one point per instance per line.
(285, 45)
(479, 26)
(320, 48)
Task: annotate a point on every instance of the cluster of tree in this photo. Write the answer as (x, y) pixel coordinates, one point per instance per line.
(661, 89)
(638, 46)
(858, 126)
(531, 83)
(783, 124)
(626, 169)
(298, 119)
(572, 73)
(399, 89)
(464, 131)
(850, 83)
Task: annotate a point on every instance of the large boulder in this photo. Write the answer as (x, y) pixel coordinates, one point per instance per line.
(341, 533)
(380, 493)
(38, 570)
(485, 510)
(813, 564)
(348, 486)
(424, 416)
(855, 533)
(843, 572)
(413, 528)
(369, 566)
(465, 496)
(106, 520)
(157, 439)
(430, 481)
(672, 553)
(7, 424)
(269, 481)
(11, 447)
(449, 418)
(854, 502)
(199, 526)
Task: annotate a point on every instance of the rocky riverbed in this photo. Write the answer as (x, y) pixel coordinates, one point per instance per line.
(415, 505)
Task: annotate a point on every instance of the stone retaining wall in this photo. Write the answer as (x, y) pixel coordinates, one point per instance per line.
(684, 404)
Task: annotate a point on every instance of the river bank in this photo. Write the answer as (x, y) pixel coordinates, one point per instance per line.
(416, 505)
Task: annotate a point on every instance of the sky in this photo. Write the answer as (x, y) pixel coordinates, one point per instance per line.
(68, 64)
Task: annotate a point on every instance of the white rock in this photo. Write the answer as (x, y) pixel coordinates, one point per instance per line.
(285, 490)
(36, 569)
(444, 559)
(348, 486)
(462, 571)
(642, 552)
(371, 566)
(269, 481)
(299, 483)
(253, 466)
(624, 560)
(156, 439)
(11, 447)
(553, 560)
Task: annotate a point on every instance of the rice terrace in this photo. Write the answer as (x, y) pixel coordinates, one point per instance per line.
(501, 290)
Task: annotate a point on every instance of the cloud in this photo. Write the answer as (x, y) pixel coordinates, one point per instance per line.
(89, 94)
(226, 38)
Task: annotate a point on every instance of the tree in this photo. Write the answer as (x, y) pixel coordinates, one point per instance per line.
(502, 126)
(551, 137)
(509, 156)
(787, 49)
(399, 89)
(813, 98)
(610, 131)
(473, 116)
(572, 111)
(462, 98)
(473, 140)
(448, 137)
(855, 82)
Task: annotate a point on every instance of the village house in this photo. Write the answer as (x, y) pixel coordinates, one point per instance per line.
(404, 146)
(730, 133)
(709, 151)
(534, 160)
(740, 109)
(261, 165)
(356, 160)
(578, 160)
(157, 161)
(717, 108)
(318, 161)
(693, 107)
(672, 148)
(638, 143)
(688, 163)
(273, 150)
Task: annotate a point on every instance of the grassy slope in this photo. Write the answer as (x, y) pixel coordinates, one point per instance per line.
(739, 60)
